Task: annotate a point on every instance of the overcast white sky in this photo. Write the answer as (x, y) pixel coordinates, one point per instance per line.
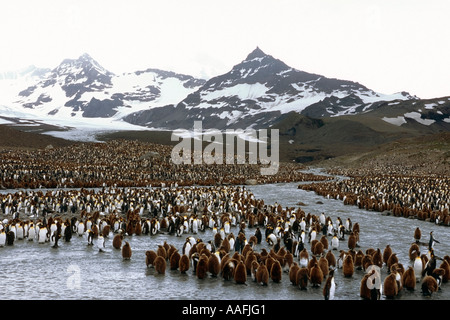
(386, 45)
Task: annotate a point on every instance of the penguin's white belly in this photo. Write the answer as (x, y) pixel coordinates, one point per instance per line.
(42, 235)
(31, 234)
(80, 229)
(2, 239)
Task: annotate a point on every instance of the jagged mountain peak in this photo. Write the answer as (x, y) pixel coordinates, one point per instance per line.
(258, 59)
(83, 63)
(257, 53)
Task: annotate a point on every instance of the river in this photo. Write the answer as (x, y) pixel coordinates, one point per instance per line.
(74, 270)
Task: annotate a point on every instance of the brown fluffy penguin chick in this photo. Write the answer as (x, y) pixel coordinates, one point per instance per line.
(386, 254)
(304, 258)
(202, 267)
(414, 251)
(359, 260)
(213, 265)
(160, 265)
(323, 265)
(150, 257)
(240, 274)
(311, 263)
(161, 251)
(117, 241)
(316, 275)
(318, 248)
(224, 260)
(429, 285)
(377, 258)
(126, 251)
(174, 260)
(302, 278)
(351, 243)
(364, 290)
(217, 239)
(371, 287)
(184, 263)
(276, 271)
(417, 234)
(250, 257)
(367, 261)
(393, 259)
(262, 275)
(225, 245)
(409, 279)
(106, 230)
(348, 267)
(229, 269)
(313, 245)
(324, 241)
(289, 260)
(170, 250)
(446, 267)
(269, 262)
(331, 258)
(138, 229)
(293, 273)
(390, 286)
(254, 268)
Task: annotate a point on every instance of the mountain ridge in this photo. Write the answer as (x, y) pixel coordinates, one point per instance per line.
(258, 90)
(318, 117)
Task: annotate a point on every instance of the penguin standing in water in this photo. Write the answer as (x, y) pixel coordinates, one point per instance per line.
(54, 239)
(432, 242)
(418, 268)
(258, 235)
(150, 256)
(262, 275)
(90, 237)
(2, 238)
(429, 285)
(117, 241)
(335, 242)
(430, 265)
(330, 286)
(409, 279)
(371, 285)
(184, 263)
(417, 235)
(67, 233)
(10, 236)
(160, 264)
(42, 235)
(240, 274)
(126, 251)
(101, 243)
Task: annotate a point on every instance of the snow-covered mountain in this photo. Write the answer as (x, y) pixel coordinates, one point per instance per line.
(257, 91)
(82, 88)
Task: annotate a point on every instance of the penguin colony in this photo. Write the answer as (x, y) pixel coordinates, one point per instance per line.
(252, 242)
(426, 198)
(125, 163)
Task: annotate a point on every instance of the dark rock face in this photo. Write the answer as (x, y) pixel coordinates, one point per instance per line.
(254, 93)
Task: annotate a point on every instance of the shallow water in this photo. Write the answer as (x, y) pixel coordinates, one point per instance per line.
(77, 271)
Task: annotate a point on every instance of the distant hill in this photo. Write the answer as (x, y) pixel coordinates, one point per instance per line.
(13, 137)
(428, 154)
